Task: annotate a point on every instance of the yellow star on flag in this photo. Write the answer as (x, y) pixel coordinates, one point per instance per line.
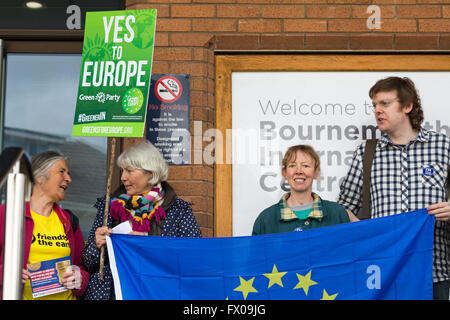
(327, 297)
(275, 277)
(304, 282)
(246, 287)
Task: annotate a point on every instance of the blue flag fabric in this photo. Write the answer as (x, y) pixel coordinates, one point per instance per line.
(385, 258)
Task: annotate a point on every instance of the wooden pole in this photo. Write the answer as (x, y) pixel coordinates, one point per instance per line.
(108, 192)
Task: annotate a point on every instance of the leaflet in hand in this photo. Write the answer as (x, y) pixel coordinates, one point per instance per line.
(124, 228)
(47, 276)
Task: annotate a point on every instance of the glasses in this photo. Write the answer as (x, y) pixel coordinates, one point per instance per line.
(383, 104)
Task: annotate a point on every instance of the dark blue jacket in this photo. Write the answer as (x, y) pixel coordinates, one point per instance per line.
(180, 222)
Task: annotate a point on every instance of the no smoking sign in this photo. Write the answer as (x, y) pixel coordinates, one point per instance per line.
(168, 89)
(168, 117)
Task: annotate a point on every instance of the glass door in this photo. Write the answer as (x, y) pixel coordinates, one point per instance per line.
(39, 103)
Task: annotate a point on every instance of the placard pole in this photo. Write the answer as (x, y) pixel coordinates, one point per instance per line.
(108, 192)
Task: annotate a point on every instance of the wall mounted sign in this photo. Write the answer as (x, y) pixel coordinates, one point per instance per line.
(168, 117)
(269, 103)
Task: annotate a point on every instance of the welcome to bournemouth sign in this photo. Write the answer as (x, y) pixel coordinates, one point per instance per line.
(115, 73)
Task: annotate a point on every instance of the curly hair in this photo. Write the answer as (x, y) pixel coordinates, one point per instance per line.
(406, 92)
(146, 157)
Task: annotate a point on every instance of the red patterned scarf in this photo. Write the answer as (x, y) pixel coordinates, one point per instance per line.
(139, 209)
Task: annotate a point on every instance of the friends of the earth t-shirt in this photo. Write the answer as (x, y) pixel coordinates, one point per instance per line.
(49, 242)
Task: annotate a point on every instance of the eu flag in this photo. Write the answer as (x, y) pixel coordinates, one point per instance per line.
(385, 258)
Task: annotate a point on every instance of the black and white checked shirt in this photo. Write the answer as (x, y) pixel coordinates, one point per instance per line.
(405, 178)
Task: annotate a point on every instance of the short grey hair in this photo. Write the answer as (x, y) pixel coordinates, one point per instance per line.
(42, 162)
(144, 156)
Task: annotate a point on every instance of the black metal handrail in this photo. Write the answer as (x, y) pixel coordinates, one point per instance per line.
(8, 159)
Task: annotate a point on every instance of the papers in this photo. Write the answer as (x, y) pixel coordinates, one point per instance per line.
(46, 276)
(123, 228)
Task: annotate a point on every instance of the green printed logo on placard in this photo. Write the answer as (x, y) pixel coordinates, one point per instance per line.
(96, 49)
(132, 100)
(143, 29)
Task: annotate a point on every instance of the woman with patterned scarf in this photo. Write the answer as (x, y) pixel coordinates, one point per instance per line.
(147, 201)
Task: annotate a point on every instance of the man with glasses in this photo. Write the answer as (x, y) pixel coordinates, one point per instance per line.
(409, 170)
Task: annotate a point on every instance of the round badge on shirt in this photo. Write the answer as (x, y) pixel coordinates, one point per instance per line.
(428, 171)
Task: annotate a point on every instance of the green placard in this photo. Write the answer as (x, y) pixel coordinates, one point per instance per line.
(115, 73)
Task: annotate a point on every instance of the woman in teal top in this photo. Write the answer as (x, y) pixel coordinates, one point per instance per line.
(300, 209)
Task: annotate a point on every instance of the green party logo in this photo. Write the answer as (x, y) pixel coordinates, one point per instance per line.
(132, 100)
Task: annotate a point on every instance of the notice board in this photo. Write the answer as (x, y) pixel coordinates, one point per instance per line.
(266, 103)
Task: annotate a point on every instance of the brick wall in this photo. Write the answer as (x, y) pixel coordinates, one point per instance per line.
(189, 32)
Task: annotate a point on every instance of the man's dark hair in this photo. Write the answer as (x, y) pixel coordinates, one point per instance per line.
(406, 93)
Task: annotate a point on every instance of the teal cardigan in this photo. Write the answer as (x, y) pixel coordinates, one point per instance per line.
(270, 221)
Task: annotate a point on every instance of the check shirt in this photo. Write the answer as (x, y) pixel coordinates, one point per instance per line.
(405, 178)
(286, 213)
